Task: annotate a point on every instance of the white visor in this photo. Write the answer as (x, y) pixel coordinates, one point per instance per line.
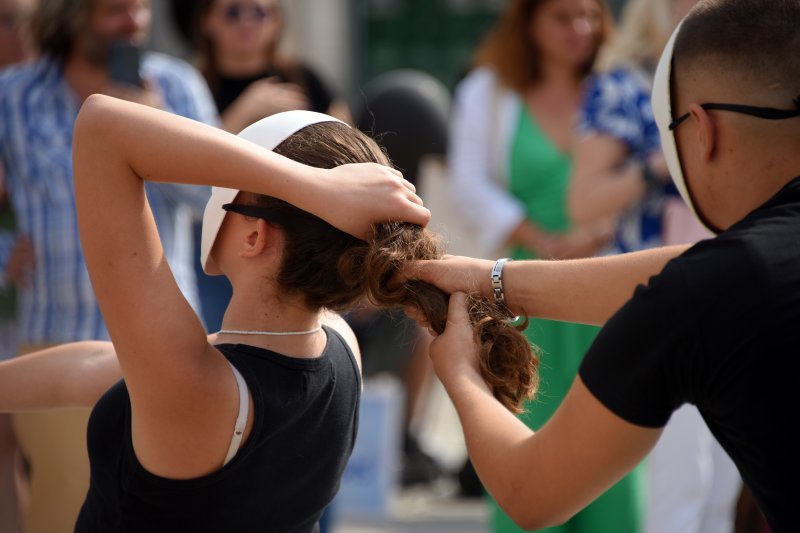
(267, 133)
(662, 110)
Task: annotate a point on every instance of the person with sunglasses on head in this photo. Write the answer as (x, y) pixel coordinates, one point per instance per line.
(248, 429)
(237, 43)
(714, 325)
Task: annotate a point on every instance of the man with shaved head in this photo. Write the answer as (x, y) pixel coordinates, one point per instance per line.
(717, 325)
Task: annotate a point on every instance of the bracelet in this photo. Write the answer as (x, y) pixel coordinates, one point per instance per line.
(497, 280)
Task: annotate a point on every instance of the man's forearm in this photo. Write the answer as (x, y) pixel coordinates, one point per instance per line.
(69, 375)
(586, 291)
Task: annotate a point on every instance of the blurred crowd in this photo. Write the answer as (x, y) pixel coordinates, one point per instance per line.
(549, 136)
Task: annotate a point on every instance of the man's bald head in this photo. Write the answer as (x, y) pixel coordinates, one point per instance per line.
(750, 48)
(735, 101)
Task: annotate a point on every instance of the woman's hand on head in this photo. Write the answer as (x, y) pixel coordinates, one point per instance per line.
(356, 196)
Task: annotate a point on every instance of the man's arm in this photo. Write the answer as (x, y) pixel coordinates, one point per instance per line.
(586, 291)
(70, 375)
(539, 479)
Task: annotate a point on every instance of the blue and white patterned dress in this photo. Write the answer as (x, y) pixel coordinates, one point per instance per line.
(617, 104)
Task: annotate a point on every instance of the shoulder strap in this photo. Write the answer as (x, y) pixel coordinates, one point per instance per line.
(241, 420)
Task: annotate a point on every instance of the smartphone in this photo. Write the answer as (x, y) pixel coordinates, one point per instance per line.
(123, 63)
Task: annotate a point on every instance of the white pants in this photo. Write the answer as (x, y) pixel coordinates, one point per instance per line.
(693, 485)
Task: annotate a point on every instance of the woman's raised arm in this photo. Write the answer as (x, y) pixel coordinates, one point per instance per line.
(159, 146)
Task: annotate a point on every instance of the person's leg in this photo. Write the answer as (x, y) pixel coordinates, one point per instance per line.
(418, 465)
(54, 442)
(419, 372)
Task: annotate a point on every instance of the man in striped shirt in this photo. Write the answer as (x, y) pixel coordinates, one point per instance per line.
(39, 101)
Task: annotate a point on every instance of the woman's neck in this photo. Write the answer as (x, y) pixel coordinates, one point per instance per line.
(253, 312)
(561, 76)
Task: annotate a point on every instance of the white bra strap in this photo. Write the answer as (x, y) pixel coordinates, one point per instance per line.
(241, 420)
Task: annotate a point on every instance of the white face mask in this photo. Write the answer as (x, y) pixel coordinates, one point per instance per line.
(268, 133)
(662, 110)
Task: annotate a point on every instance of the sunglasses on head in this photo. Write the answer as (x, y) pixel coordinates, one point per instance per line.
(285, 220)
(760, 112)
(238, 12)
(255, 211)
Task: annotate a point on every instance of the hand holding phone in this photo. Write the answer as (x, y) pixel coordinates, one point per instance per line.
(123, 64)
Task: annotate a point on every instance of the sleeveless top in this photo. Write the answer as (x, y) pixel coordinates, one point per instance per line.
(281, 479)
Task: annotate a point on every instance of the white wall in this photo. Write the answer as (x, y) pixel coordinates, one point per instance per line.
(320, 33)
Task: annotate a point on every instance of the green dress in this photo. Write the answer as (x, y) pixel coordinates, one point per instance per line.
(538, 176)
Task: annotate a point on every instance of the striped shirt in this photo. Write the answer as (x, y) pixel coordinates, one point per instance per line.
(37, 114)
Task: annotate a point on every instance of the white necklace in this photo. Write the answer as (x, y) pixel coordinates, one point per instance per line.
(275, 333)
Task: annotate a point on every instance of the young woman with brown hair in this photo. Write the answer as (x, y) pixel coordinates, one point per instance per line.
(248, 429)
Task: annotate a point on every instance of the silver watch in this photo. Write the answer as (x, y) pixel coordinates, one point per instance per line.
(497, 280)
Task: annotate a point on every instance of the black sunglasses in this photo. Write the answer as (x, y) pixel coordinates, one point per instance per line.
(760, 112)
(237, 12)
(285, 220)
(257, 212)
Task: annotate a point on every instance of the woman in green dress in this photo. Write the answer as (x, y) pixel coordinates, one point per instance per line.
(510, 164)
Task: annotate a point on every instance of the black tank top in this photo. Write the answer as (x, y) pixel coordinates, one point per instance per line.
(288, 470)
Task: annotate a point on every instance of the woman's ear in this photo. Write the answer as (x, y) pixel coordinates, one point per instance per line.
(262, 237)
(706, 132)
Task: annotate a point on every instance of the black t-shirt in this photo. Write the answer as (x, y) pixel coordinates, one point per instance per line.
(228, 89)
(719, 328)
(281, 479)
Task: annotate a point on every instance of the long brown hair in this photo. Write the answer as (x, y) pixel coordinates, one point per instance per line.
(331, 269)
(509, 51)
(55, 25)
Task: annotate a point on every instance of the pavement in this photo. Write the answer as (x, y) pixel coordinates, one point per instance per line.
(430, 509)
(436, 507)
